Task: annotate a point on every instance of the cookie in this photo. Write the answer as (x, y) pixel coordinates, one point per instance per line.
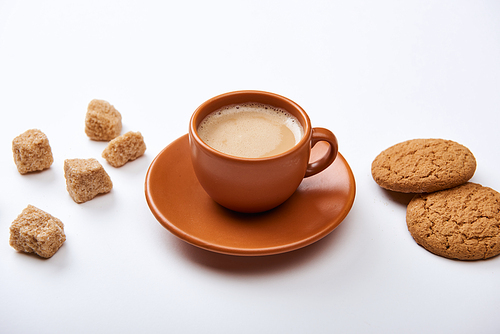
(460, 223)
(423, 166)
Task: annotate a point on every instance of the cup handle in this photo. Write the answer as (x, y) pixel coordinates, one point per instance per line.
(321, 134)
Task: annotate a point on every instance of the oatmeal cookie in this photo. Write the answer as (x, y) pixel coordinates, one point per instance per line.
(423, 166)
(460, 223)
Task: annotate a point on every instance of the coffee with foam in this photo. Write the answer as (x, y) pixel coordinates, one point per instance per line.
(251, 130)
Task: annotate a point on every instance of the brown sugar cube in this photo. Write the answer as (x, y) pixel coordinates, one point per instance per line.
(85, 179)
(124, 148)
(36, 231)
(32, 151)
(103, 121)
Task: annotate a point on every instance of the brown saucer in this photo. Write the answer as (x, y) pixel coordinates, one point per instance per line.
(181, 205)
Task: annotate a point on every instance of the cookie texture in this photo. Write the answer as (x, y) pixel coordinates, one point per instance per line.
(460, 223)
(423, 166)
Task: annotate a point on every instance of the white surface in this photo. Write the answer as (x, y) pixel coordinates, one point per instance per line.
(374, 72)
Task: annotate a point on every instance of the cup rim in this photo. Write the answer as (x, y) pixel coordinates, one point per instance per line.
(234, 94)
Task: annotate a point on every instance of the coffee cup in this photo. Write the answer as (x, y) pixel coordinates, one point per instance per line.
(250, 149)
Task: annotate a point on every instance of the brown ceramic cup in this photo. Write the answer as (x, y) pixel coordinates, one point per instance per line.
(256, 184)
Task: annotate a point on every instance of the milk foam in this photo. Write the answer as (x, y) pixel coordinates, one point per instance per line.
(251, 130)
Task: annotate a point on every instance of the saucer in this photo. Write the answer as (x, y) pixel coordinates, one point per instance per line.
(180, 204)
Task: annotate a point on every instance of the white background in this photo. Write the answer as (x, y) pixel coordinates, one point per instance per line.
(374, 72)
